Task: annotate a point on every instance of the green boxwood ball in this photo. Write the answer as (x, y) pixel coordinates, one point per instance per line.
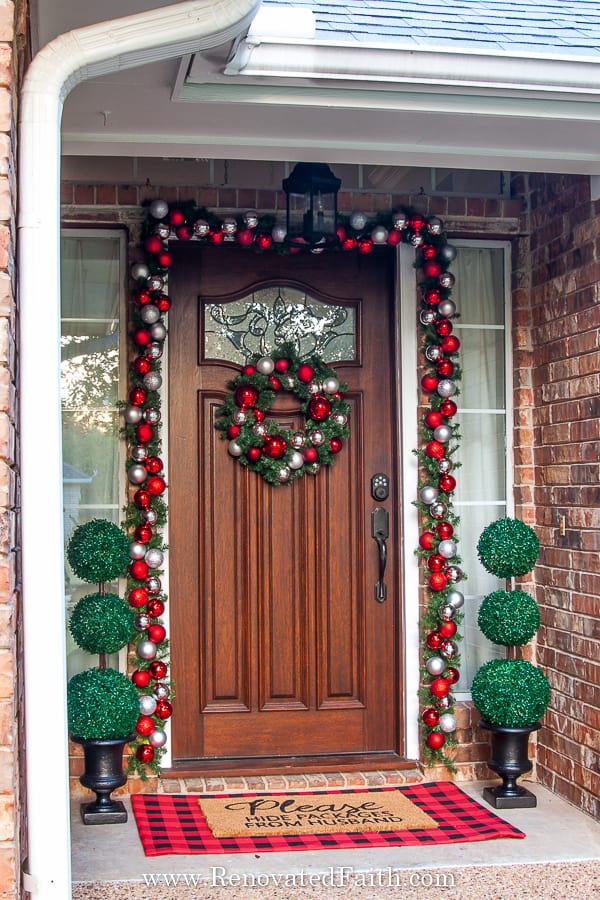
(510, 692)
(508, 547)
(509, 617)
(102, 704)
(98, 551)
(102, 623)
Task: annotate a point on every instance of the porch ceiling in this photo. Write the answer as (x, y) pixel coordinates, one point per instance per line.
(294, 97)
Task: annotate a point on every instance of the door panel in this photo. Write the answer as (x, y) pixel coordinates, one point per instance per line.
(279, 648)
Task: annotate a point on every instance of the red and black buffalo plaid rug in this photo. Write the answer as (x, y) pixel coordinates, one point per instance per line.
(173, 823)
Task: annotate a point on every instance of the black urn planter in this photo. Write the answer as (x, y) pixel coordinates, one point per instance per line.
(103, 774)
(509, 759)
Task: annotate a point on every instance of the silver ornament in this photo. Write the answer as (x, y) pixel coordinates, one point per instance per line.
(288, 382)
(417, 239)
(447, 252)
(157, 738)
(453, 574)
(314, 388)
(152, 415)
(154, 557)
(399, 220)
(447, 722)
(318, 249)
(137, 474)
(137, 550)
(133, 415)
(446, 308)
(151, 516)
(229, 226)
(442, 433)
(438, 510)
(298, 440)
(428, 494)
(161, 691)
(446, 280)
(446, 388)
(296, 460)
(284, 474)
(153, 381)
(435, 225)
(234, 448)
(358, 220)
(139, 453)
(445, 702)
(427, 317)
(316, 437)
(455, 599)
(162, 231)
(139, 270)
(331, 385)
(447, 612)
(279, 233)
(150, 314)
(250, 218)
(147, 704)
(259, 429)
(141, 622)
(239, 417)
(154, 350)
(265, 365)
(340, 419)
(434, 352)
(449, 649)
(447, 549)
(435, 665)
(201, 228)
(379, 235)
(146, 650)
(445, 465)
(158, 331)
(152, 584)
(155, 283)
(314, 468)
(159, 209)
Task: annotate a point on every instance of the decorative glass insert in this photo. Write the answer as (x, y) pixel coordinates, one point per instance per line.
(269, 317)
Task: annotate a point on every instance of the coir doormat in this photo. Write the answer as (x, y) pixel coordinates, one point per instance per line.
(174, 823)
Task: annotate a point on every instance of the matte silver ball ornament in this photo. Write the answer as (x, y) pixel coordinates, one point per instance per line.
(455, 599)
(150, 314)
(137, 550)
(158, 331)
(139, 270)
(435, 665)
(447, 722)
(428, 494)
(157, 738)
(265, 365)
(154, 557)
(133, 415)
(446, 308)
(137, 474)
(296, 460)
(279, 233)
(447, 549)
(379, 235)
(147, 704)
(446, 388)
(358, 220)
(447, 252)
(146, 650)
(153, 381)
(159, 209)
(234, 449)
(442, 433)
(331, 385)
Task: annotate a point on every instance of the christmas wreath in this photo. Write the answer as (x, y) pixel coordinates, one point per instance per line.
(278, 454)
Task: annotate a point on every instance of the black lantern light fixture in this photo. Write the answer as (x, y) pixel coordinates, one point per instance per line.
(311, 203)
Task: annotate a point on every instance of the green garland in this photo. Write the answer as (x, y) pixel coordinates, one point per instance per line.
(511, 692)
(510, 618)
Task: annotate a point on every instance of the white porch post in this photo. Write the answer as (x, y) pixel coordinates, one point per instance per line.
(84, 53)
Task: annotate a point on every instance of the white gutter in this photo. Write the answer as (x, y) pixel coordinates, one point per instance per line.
(171, 31)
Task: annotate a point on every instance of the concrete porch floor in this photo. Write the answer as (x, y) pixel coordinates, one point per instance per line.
(558, 858)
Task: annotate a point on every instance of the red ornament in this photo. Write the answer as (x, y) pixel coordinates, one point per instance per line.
(434, 450)
(282, 365)
(426, 540)
(145, 753)
(275, 383)
(158, 669)
(310, 455)
(137, 597)
(137, 396)
(245, 237)
(305, 373)
(215, 237)
(434, 640)
(164, 259)
(144, 432)
(143, 533)
(435, 740)
(432, 297)
(349, 244)
(249, 370)
(445, 368)
(176, 217)
(451, 675)
(437, 581)
(184, 233)
(431, 268)
(428, 251)
(416, 222)
(430, 717)
(341, 233)
(163, 302)
(447, 483)
(443, 327)
(319, 409)
(141, 678)
(429, 383)
(448, 408)
(450, 344)
(436, 562)
(142, 337)
(446, 629)
(246, 395)
(394, 237)
(264, 240)
(142, 499)
(156, 633)
(145, 725)
(142, 365)
(156, 485)
(163, 710)
(433, 419)
(155, 607)
(138, 569)
(153, 465)
(233, 431)
(140, 298)
(274, 446)
(440, 687)
(259, 415)
(253, 454)
(153, 244)
(445, 530)
(335, 444)
(365, 245)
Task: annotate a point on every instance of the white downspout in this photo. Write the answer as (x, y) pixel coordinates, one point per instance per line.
(84, 53)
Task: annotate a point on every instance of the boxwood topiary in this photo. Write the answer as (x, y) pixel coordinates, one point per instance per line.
(509, 617)
(508, 547)
(98, 551)
(102, 704)
(510, 692)
(102, 623)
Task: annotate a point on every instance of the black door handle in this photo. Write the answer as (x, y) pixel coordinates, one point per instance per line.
(380, 531)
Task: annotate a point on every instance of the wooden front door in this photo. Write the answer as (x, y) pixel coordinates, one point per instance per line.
(280, 650)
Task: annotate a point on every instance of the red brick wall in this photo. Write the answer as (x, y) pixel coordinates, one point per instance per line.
(557, 409)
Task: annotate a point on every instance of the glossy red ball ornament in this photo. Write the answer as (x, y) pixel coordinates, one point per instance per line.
(142, 499)
(305, 373)
(444, 530)
(156, 633)
(451, 675)
(184, 233)
(428, 251)
(156, 485)
(143, 533)
(141, 678)
(249, 370)
(436, 562)
(451, 344)
(440, 687)
(259, 415)
(246, 395)
(140, 298)
(429, 383)
(319, 408)
(163, 710)
(253, 454)
(432, 297)
(335, 444)
(443, 327)
(176, 217)
(445, 368)
(365, 245)
(434, 640)
(155, 607)
(233, 431)
(245, 237)
(138, 569)
(349, 243)
(263, 240)
(274, 446)
(416, 222)
(435, 740)
(164, 259)
(153, 244)
(145, 753)
(434, 450)
(431, 268)
(430, 717)
(438, 581)
(394, 237)
(433, 419)
(144, 433)
(446, 629)
(142, 337)
(215, 237)
(341, 233)
(447, 483)
(145, 725)
(158, 669)
(275, 383)
(137, 396)
(142, 365)
(163, 303)
(426, 540)
(153, 465)
(310, 455)
(282, 365)
(137, 597)
(448, 408)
